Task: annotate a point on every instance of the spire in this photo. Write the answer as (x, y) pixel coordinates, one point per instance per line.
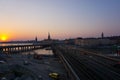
(36, 38)
(102, 35)
(49, 36)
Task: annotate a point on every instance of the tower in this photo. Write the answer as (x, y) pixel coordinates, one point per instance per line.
(36, 39)
(102, 35)
(49, 36)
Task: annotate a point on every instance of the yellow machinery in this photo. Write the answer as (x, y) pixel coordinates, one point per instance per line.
(55, 76)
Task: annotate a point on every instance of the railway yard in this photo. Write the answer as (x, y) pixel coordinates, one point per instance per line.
(90, 66)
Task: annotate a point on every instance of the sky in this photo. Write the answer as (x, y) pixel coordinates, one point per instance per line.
(26, 19)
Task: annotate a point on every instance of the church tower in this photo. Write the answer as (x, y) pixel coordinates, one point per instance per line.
(36, 39)
(102, 35)
(49, 36)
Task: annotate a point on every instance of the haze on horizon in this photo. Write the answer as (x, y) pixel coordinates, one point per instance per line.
(26, 19)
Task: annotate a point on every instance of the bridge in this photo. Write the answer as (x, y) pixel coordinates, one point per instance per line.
(22, 48)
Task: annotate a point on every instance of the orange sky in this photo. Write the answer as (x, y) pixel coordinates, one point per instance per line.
(26, 19)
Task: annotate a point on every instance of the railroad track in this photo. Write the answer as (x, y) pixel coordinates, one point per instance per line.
(88, 68)
(82, 71)
(108, 63)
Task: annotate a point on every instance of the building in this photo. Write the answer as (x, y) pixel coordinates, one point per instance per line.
(91, 42)
(49, 38)
(102, 35)
(69, 41)
(36, 39)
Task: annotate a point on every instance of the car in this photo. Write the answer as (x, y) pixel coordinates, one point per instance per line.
(54, 75)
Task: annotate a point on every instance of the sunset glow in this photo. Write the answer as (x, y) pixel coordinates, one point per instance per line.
(3, 38)
(25, 19)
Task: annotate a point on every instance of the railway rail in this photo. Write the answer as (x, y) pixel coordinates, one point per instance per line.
(90, 66)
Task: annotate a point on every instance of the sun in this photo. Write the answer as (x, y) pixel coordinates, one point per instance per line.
(3, 38)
